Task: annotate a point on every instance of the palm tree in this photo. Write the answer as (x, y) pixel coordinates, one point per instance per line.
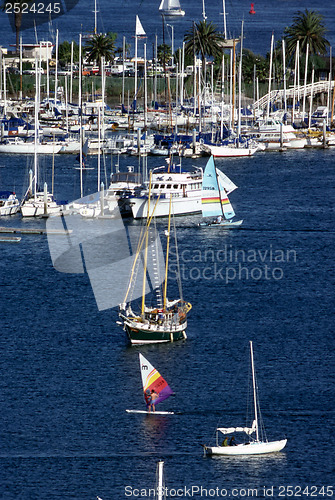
(100, 46)
(16, 8)
(308, 28)
(204, 39)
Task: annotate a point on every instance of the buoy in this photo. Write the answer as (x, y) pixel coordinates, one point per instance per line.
(252, 11)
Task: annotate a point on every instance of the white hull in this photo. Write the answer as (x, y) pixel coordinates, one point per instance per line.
(172, 12)
(28, 148)
(255, 448)
(9, 210)
(181, 206)
(151, 412)
(225, 224)
(36, 207)
(231, 151)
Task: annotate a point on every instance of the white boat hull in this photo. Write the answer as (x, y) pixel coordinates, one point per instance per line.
(226, 224)
(231, 151)
(151, 412)
(182, 206)
(28, 148)
(254, 448)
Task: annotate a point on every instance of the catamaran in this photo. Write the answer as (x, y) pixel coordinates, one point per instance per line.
(214, 198)
(166, 320)
(152, 383)
(255, 445)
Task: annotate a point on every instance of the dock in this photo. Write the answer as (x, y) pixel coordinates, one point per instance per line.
(33, 230)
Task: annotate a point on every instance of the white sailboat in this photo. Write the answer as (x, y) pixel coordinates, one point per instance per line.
(214, 198)
(171, 8)
(152, 383)
(255, 445)
(36, 203)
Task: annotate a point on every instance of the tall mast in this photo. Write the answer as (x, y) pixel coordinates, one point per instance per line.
(254, 388)
(160, 485)
(146, 248)
(167, 255)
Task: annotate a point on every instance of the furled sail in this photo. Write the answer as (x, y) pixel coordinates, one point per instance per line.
(230, 430)
(152, 379)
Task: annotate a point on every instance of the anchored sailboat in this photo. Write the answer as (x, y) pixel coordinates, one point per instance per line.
(214, 198)
(166, 321)
(256, 445)
(155, 388)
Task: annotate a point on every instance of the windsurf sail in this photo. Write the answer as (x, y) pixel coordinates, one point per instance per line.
(153, 380)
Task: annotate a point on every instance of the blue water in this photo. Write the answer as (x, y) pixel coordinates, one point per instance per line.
(271, 16)
(67, 373)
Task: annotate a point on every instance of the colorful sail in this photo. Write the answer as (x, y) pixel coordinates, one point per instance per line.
(153, 380)
(210, 195)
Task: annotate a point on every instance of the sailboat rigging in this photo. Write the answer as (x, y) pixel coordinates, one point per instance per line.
(256, 445)
(214, 198)
(153, 384)
(166, 320)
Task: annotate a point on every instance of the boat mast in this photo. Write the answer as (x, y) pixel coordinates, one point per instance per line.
(167, 255)
(254, 388)
(217, 180)
(160, 486)
(146, 248)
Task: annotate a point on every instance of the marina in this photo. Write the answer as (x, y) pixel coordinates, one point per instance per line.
(152, 259)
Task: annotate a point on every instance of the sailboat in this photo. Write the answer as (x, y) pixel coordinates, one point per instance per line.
(152, 380)
(214, 198)
(166, 320)
(171, 8)
(255, 445)
(38, 203)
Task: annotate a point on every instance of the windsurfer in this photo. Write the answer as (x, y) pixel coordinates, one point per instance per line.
(153, 396)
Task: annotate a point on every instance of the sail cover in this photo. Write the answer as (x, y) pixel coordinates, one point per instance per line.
(152, 379)
(210, 195)
(230, 430)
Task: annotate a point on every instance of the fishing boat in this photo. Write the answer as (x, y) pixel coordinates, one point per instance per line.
(171, 8)
(181, 184)
(153, 384)
(9, 204)
(165, 320)
(257, 442)
(214, 198)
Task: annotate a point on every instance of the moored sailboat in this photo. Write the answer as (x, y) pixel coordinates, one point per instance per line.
(166, 320)
(255, 445)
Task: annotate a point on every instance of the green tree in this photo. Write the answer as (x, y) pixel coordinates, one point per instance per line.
(164, 54)
(205, 40)
(100, 46)
(308, 27)
(64, 52)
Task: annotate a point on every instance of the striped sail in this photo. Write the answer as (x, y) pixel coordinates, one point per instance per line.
(227, 208)
(152, 379)
(210, 195)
